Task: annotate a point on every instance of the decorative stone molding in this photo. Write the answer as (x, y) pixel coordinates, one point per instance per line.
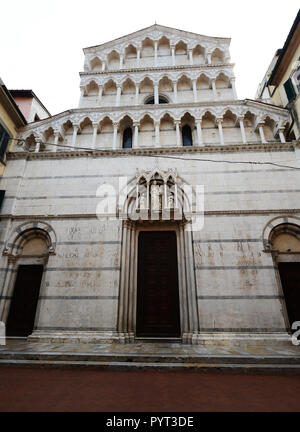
(279, 220)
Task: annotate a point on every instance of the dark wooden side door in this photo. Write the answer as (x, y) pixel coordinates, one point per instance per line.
(290, 280)
(158, 296)
(23, 306)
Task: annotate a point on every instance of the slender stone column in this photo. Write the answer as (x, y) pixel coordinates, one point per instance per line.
(115, 136)
(118, 96)
(195, 90)
(81, 95)
(75, 130)
(232, 81)
(177, 123)
(173, 55)
(100, 92)
(131, 288)
(138, 57)
(199, 132)
(261, 133)
(219, 121)
(137, 93)
(37, 146)
(213, 84)
(122, 305)
(56, 138)
(121, 61)
(103, 66)
(191, 282)
(136, 134)
(242, 127)
(175, 91)
(281, 136)
(5, 289)
(191, 57)
(157, 140)
(155, 53)
(156, 97)
(95, 126)
(209, 58)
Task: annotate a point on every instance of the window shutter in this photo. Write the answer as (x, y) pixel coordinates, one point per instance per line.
(4, 138)
(290, 91)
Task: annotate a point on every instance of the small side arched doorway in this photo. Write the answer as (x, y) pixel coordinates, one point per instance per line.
(26, 290)
(284, 241)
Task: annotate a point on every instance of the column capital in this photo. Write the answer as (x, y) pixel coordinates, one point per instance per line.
(219, 120)
(95, 124)
(177, 122)
(198, 120)
(115, 124)
(136, 123)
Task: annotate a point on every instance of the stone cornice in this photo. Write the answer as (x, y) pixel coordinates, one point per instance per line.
(274, 146)
(159, 68)
(279, 211)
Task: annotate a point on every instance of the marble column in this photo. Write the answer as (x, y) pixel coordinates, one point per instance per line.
(115, 136)
(209, 58)
(157, 140)
(173, 55)
(75, 131)
(156, 96)
(199, 132)
(261, 133)
(137, 92)
(121, 61)
(56, 138)
(95, 126)
(155, 53)
(175, 91)
(103, 66)
(136, 135)
(100, 93)
(118, 96)
(191, 57)
(195, 90)
(37, 146)
(242, 127)
(213, 84)
(177, 123)
(219, 122)
(232, 81)
(138, 57)
(281, 135)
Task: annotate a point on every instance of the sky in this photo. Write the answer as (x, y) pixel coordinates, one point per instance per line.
(41, 41)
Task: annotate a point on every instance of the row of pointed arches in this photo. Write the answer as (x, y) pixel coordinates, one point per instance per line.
(109, 133)
(156, 53)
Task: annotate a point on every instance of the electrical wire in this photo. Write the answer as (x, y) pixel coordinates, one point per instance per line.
(176, 157)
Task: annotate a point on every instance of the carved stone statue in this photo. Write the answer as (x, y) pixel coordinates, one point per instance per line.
(155, 196)
(171, 201)
(143, 201)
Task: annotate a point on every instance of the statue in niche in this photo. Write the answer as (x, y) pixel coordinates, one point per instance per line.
(143, 201)
(156, 196)
(171, 201)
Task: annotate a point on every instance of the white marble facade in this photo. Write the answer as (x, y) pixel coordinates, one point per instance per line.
(155, 83)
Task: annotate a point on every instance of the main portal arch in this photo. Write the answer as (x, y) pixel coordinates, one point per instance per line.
(157, 209)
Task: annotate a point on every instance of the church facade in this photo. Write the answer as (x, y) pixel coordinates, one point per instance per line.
(163, 207)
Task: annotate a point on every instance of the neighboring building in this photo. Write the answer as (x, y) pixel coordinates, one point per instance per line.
(103, 219)
(30, 105)
(281, 84)
(11, 119)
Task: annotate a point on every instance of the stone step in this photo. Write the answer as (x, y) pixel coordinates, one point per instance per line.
(164, 366)
(147, 358)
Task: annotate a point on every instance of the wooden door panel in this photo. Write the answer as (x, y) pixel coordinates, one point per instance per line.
(158, 297)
